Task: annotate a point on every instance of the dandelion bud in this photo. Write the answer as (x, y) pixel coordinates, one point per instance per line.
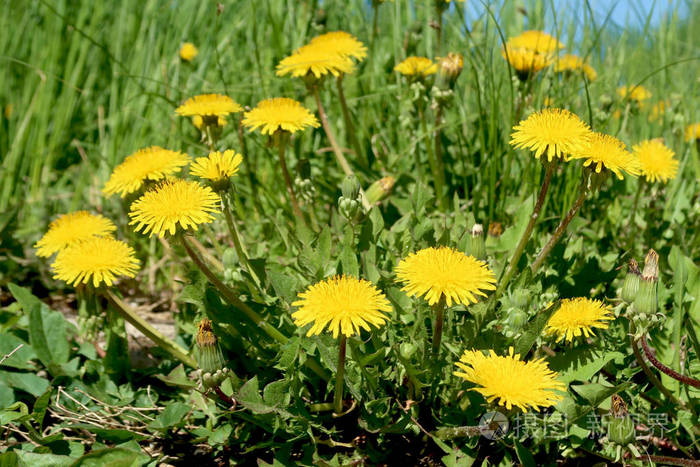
(630, 288)
(380, 190)
(476, 245)
(209, 356)
(349, 208)
(646, 301)
(449, 69)
(621, 430)
(350, 187)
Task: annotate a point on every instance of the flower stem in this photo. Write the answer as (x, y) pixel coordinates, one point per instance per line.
(640, 187)
(230, 296)
(650, 376)
(334, 144)
(669, 371)
(281, 145)
(438, 155)
(437, 180)
(340, 375)
(542, 255)
(349, 126)
(240, 249)
(520, 248)
(246, 164)
(439, 323)
(149, 331)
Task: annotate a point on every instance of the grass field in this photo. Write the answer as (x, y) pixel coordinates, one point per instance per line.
(88, 84)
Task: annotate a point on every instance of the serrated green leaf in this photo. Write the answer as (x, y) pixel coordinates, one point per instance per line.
(28, 382)
(533, 329)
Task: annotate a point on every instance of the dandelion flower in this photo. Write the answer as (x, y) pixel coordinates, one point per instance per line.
(173, 202)
(659, 109)
(554, 131)
(635, 93)
(198, 122)
(216, 166)
(343, 43)
(657, 161)
(96, 260)
(525, 61)
(279, 113)
(208, 106)
(692, 132)
(511, 381)
(72, 228)
(154, 163)
(318, 59)
(417, 66)
(578, 316)
(344, 303)
(188, 51)
(536, 41)
(437, 272)
(572, 63)
(607, 151)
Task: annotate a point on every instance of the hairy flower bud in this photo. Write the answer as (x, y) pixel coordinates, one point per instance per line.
(646, 301)
(380, 189)
(630, 288)
(350, 187)
(209, 356)
(621, 430)
(476, 245)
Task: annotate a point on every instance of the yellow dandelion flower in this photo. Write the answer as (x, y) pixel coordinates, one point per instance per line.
(635, 93)
(344, 303)
(318, 59)
(692, 132)
(71, 228)
(657, 161)
(217, 166)
(525, 61)
(159, 211)
(154, 163)
(572, 63)
(208, 106)
(198, 122)
(437, 272)
(536, 41)
(417, 66)
(279, 113)
(343, 43)
(607, 151)
(578, 316)
(96, 260)
(511, 381)
(555, 131)
(188, 51)
(659, 109)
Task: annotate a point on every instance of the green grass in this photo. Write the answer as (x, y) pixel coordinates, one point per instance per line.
(90, 83)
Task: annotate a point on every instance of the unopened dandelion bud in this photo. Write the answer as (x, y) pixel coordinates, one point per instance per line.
(449, 69)
(349, 208)
(630, 288)
(380, 189)
(621, 430)
(350, 187)
(209, 356)
(407, 349)
(477, 246)
(646, 301)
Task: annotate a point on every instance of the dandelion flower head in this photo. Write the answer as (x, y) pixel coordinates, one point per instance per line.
(173, 202)
(525, 60)
(556, 132)
(536, 41)
(657, 161)
(95, 260)
(578, 316)
(417, 66)
(153, 163)
(692, 132)
(71, 228)
(343, 43)
(279, 113)
(509, 380)
(659, 109)
(318, 59)
(572, 63)
(188, 51)
(217, 166)
(437, 272)
(208, 106)
(607, 151)
(635, 93)
(344, 304)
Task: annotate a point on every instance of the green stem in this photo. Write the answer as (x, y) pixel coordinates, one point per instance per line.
(349, 126)
(230, 296)
(334, 144)
(520, 248)
(149, 331)
(431, 159)
(210, 137)
(240, 249)
(640, 186)
(438, 156)
(247, 167)
(439, 309)
(281, 145)
(340, 375)
(560, 229)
